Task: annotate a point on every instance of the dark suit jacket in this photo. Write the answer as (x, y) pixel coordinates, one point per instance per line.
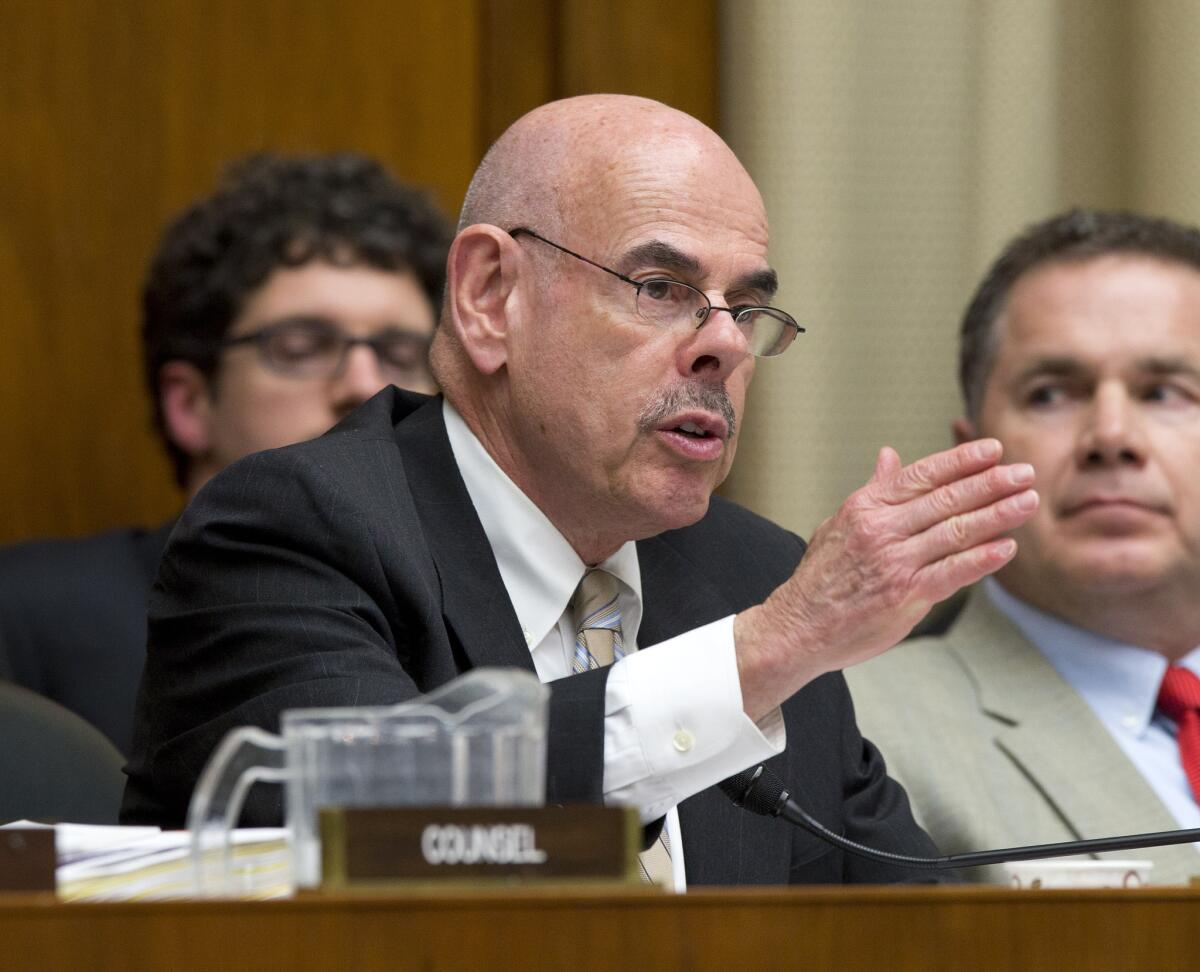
(353, 570)
(73, 621)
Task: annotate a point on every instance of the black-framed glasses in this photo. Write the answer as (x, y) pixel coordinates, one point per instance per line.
(675, 304)
(315, 348)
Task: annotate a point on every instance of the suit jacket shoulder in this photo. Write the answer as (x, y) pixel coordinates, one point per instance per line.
(349, 570)
(997, 750)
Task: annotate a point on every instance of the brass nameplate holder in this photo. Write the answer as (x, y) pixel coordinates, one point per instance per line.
(364, 847)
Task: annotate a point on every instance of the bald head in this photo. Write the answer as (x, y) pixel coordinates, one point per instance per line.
(588, 401)
(564, 159)
(590, 170)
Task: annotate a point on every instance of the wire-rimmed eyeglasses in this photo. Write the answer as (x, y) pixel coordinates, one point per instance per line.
(675, 304)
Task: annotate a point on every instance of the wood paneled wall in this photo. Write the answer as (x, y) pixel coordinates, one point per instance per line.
(116, 113)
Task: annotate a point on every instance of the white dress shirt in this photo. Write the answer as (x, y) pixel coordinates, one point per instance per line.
(673, 720)
(1120, 684)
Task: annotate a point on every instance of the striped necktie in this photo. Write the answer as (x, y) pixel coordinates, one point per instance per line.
(598, 643)
(597, 622)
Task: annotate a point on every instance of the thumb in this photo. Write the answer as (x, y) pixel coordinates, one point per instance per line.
(887, 464)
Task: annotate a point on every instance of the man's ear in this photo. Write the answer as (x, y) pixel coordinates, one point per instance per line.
(481, 274)
(187, 407)
(963, 430)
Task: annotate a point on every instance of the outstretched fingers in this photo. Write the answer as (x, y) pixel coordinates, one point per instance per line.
(964, 531)
(894, 485)
(942, 578)
(952, 500)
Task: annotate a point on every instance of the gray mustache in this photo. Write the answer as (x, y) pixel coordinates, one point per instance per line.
(710, 398)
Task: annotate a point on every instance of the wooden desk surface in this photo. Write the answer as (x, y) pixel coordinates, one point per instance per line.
(810, 928)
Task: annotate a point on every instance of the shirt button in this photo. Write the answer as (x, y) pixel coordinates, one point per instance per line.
(683, 741)
(1130, 722)
(528, 637)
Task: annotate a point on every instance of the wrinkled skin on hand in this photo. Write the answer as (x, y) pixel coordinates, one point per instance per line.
(910, 537)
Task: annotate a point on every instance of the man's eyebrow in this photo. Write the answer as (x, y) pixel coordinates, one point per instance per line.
(1059, 367)
(275, 321)
(761, 282)
(661, 254)
(1064, 367)
(299, 318)
(1169, 366)
(673, 260)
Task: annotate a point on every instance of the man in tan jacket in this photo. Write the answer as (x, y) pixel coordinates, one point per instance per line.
(1038, 717)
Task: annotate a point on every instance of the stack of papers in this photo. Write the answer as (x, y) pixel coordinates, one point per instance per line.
(146, 864)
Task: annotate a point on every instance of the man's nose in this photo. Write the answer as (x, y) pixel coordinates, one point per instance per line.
(360, 377)
(715, 348)
(1112, 430)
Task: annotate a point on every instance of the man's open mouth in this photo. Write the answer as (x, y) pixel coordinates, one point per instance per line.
(692, 429)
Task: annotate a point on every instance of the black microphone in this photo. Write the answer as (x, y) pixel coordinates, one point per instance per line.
(761, 791)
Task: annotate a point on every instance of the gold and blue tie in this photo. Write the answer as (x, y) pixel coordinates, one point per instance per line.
(598, 643)
(597, 622)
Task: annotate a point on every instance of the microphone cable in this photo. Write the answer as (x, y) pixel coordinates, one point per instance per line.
(761, 791)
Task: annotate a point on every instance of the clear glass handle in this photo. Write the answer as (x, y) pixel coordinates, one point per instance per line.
(246, 756)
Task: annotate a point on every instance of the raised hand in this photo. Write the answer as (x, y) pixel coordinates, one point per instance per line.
(909, 538)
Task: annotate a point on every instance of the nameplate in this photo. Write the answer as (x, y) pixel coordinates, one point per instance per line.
(369, 846)
(27, 859)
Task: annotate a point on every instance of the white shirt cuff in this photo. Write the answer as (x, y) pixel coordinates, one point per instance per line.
(674, 723)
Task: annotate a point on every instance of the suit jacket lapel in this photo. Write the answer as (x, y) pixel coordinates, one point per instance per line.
(475, 604)
(1084, 775)
(675, 596)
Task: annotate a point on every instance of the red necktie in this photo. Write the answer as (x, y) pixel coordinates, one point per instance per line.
(1179, 698)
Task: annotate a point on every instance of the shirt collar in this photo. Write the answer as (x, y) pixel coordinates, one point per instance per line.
(539, 568)
(1119, 681)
